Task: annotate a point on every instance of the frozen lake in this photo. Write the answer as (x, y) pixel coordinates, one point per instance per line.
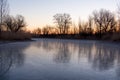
(53, 59)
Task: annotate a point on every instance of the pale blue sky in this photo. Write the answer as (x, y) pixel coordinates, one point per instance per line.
(39, 13)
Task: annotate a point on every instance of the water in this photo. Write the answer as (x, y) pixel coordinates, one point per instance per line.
(50, 59)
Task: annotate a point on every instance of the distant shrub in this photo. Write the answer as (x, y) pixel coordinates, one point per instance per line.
(115, 37)
(15, 36)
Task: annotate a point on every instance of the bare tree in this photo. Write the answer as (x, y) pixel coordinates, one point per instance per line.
(113, 25)
(20, 23)
(84, 27)
(4, 10)
(47, 30)
(67, 22)
(90, 24)
(63, 21)
(10, 22)
(80, 26)
(119, 17)
(75, 28)
(104, 20)
(37, 31)
(15, 24)
(59, 21)
(98, 18)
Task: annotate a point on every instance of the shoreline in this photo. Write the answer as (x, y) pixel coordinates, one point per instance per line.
(13, 41)
(35, 39)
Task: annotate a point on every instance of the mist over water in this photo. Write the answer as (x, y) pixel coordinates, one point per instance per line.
(52, 59)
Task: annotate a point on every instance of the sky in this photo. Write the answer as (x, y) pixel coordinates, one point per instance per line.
(39, 13)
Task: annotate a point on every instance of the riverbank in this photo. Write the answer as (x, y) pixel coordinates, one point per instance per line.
(114, 37)
(13, 41)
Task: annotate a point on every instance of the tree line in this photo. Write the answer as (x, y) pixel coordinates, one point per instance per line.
(101, 24)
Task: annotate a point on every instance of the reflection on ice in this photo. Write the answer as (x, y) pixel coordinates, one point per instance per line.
(49, 59)
(101, 56)
(10, 56)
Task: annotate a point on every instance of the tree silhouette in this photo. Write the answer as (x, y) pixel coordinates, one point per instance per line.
(37, 31)
(63, 21)
(4, 10)
(47, 30)
(20, 23)
(104, 20)
(119, 17)
(90, 25)
(80, 26)
(15, 24)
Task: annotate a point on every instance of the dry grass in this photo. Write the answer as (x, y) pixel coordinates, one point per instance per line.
(15, 36)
